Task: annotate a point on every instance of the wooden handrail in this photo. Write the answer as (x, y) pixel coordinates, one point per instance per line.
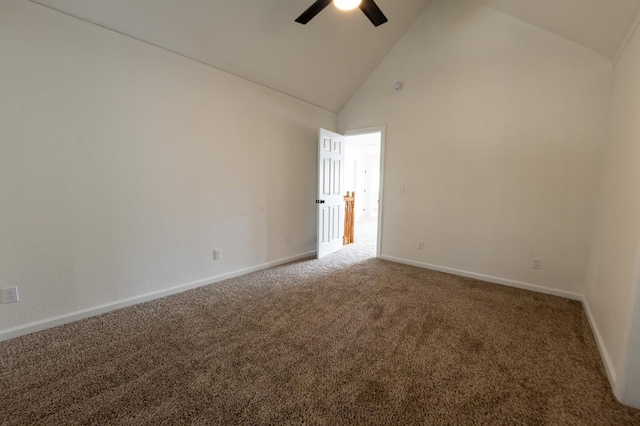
(349, 204)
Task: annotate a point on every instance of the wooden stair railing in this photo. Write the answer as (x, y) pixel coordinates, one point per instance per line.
(349, 202)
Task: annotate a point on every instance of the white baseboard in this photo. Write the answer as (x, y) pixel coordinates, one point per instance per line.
(101, 309)
(97, 310)
(604, 354)
(489, 278)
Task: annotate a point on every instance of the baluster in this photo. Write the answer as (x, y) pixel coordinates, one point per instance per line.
(349, 207)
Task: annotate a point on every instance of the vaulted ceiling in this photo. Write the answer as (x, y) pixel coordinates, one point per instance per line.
(327, 60)
(600, 25)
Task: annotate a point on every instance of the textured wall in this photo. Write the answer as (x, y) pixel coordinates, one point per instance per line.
(123, 166)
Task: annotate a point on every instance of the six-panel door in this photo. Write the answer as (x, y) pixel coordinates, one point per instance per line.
(330, 198)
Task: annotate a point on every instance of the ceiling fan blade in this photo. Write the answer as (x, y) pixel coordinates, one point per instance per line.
(373, 12)
(310, 13)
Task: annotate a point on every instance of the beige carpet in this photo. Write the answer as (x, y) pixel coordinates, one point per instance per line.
(344, 340)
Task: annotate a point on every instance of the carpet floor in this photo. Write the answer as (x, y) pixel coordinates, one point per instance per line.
(348, 339)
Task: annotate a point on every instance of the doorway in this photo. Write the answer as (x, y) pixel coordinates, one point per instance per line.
(363, 176)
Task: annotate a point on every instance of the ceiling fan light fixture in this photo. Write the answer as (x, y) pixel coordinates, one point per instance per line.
(368, 7)
(347, 4)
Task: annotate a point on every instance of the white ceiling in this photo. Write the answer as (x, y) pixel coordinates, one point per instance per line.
(326, 61)
(600, 25)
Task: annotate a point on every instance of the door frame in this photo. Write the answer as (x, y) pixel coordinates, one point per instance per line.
(382, 130)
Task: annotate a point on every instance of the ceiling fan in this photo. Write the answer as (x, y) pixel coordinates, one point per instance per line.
(368, 7)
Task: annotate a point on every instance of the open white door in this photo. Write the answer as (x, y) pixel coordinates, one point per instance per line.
(330, 198)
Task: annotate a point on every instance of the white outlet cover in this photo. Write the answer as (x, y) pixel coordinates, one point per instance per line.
(10, 295)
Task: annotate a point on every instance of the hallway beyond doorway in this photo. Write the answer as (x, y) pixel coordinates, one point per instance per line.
(363, 176)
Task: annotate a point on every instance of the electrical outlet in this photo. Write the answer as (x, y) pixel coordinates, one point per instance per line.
(10, 295)
(420, 245)
(217, 254)
(536, 263)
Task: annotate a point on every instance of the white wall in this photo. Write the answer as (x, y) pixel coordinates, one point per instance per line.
(123, 166)
(498, 137)
(614, 267)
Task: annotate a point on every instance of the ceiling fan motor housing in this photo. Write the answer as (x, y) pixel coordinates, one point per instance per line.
(368, 7)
